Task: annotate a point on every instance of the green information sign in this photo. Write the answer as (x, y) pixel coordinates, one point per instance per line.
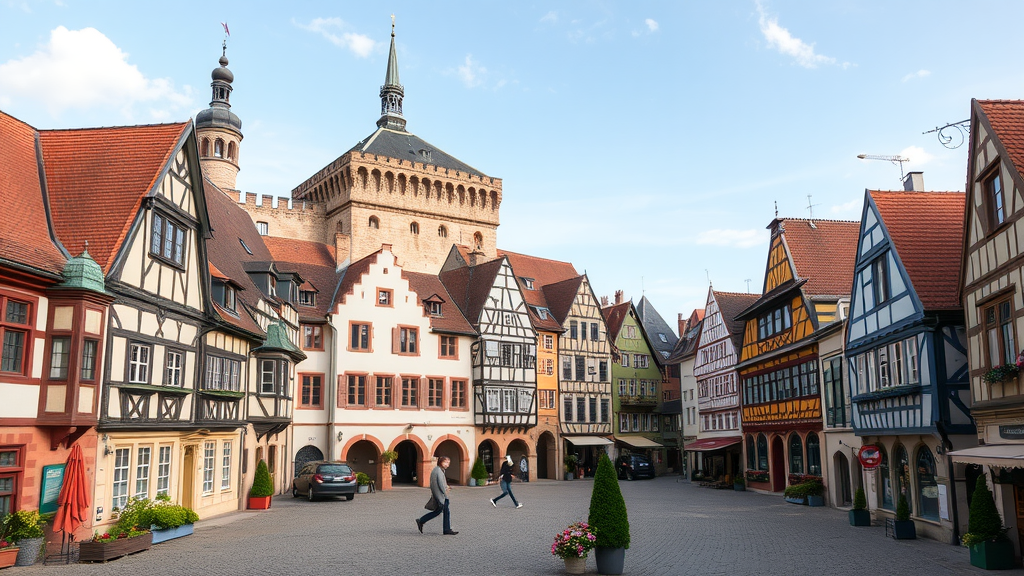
(53, 479)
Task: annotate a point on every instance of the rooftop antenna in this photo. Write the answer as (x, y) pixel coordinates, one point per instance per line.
(748, 285)
(709, 276)
(897, 159)
(810, 212)
(776, 209)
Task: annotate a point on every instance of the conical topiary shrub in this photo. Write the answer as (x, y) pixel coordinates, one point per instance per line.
(860, 502)
(984, 524)
(902, 509)
(860, 516)
(479, 472)
(608, 518)
(262, 485)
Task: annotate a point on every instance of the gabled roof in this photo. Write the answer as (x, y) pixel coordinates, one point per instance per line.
(927, 229)
(560, 297)
(470, 286)
(97, 178)
(411, 148)
(824, 253)
(653, 324)
(614, 316)
(543, 272)
(730, 304)
(315, 263)
(351, 276)
(430, 287)
(1006, 117)
(686, 346)
(25, 237)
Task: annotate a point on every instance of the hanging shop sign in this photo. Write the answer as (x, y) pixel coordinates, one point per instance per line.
(870, 456)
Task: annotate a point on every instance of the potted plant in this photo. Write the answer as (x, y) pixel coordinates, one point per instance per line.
(860, 516)
(903, 527)
(168, 521)
(262, 488)
(815, 493)
(1003, 373)
(363, 480)
(125, 537)
(478, 476)
(572, 546)
(8, 553)
(609, 519)
(986, 535)
(571, 461)
(739, 483)
(24, 528)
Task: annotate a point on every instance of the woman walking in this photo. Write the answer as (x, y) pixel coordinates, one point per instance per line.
(505, 477)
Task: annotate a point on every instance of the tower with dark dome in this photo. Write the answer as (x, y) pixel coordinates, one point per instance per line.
(219, 130)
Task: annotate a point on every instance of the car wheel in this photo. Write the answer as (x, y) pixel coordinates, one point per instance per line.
(295, 491)
(310, 495)
(349, 496)
(629, 475)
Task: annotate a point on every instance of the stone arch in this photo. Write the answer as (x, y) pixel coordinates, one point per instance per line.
(547, 456)
(462, 194)
(494, 199)
(231, 151)
(414, 183)
(362, 453)
(375, 180)
(414, 459)
(478, 240)
(401, 184)
(488, 451)
(389, 182)
(374, 223)
(442, 231)
(361, 177)
(472, 196)
(483, 199)
(449, 192)
(437, 190)
(453, 447)
(414, 228)
(204, 147)
(519, 448)
(307, 453)
(218, 148)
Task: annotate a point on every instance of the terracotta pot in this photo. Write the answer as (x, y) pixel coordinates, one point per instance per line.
(8, 556)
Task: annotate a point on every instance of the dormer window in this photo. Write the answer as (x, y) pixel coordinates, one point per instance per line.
(527, 282)
(307, 298)
(273, 286)
(433, 308)
(774, 322)
(229, 298)
(168, 240)
(662, 337)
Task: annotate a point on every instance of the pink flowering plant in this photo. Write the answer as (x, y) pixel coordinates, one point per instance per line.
(574, 542)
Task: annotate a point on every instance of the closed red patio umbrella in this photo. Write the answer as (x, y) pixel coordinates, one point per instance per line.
(73, 501)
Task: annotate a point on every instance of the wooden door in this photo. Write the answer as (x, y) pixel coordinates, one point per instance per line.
(188, 477)
(1018, 491)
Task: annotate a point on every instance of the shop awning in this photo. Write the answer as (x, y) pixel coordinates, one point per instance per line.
(638, 441)
(587, 440)
(1001, 455)
(709, 444)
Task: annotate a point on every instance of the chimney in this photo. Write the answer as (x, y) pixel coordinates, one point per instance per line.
(914, 182)
(618, 297)
(681, 324)
(475, 257)
(342, 245)
(604, 301)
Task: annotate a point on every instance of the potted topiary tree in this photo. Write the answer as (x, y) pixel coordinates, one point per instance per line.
(739, 483)
(815, 493)
(571, 461)
(478, 476)
(262, 488)
(608, 519)
(860, 516)
(903, 527)
(363, 480)
(986, 536)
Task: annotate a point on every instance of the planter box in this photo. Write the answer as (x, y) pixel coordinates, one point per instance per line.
(165, 534)
(793, 500)
(993, 555)
(259, 502)
(610, 560)
(363, 488)
(105, 551)
(860, 518)
(739, 487)
(8, 556)
(568, 475)
(904, 530)
(815, 500)
(472, 481)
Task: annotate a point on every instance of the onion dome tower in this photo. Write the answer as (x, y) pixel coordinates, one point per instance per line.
(219, 130)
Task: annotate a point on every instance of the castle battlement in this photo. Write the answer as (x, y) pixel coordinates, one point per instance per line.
(267, 201)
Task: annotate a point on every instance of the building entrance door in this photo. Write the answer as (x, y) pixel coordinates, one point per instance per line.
(188, 477)
(778, 465)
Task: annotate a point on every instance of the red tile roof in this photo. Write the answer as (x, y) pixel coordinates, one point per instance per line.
(561, 295)
(824, 254)
(613, 317)
(1006, 117)
(730, 304)
(315, 263)
(97, 178)
(451, 319)
(304, 251)
(352, 275)
(25, 240)
(927, 229)
(469, 286)
(543, 272)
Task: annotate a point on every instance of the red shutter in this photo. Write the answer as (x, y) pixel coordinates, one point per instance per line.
(395, 336)
(342, 391)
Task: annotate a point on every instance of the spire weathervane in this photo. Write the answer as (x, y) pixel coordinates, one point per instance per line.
(392, 93)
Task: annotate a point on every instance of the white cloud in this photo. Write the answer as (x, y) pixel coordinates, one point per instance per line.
(652, 25)
(916, 155)
(733, 238)
(333, 30)
(471, 72)
(780, 39)
(85, 69)
(550, 17)
(919, 74)
(849, 207)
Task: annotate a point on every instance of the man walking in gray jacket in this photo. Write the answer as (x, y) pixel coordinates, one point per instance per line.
(439, 489)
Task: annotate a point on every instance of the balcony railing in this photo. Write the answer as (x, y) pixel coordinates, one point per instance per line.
(638, 400)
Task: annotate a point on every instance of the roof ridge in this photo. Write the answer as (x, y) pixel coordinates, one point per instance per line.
(122, 127)
(916, 191)
(819, 220)
(503, 251)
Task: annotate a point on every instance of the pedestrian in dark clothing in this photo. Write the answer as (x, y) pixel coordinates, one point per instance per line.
(505, 477)
(439, 490)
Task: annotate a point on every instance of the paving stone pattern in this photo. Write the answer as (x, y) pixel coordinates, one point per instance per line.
(676, 528)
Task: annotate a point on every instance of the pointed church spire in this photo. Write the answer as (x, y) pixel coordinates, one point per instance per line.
(392, 93)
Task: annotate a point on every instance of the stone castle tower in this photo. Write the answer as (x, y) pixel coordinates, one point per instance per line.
(394, 188)
(219, 130)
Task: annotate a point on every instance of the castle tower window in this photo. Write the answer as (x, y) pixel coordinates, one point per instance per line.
(263, 228)
(414, 228)
(231, 150)
(478, 240)
(374, 223)
(442, 231)
(204, 147)
(218, 148)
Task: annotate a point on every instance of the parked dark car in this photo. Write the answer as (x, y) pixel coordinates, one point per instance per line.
(322, 478)
(633, 466)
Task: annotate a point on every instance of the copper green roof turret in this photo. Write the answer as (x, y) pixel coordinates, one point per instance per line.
(277, 341)
(83, 272)
(392, 92)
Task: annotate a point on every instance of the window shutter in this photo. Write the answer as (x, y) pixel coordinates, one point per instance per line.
(395, 336)
(342, 391)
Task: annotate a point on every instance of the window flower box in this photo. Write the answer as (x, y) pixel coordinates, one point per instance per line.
(165, 534)
(1000, 374)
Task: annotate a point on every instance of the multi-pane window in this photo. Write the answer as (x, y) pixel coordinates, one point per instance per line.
(567, 409)
(525, 400)
(14, 326)
(493, 400)
(225, 466)
(435, 392)
(623, 422)
(636, 422)
(593, 409)
(999, 335)
(549, 342)
(880, 279)
(547, 366)
(583, 330)
(997, 203)
(641, 361)
(546, 399)
(774, 322)
(209, 456)
(384, 297)
(581, 368)
(433, 308)
(602, 371)
(581, 409)
(222, 374)
(312, 337)
(593, 331)
(360, 338)
(573, 330)
(410, 387)
(168, 241)
(142, 460)
(172, 372)
(622, 386)
(407, 340)
(567, 367)
(508, 400)
(459, 393)
(138, 363)
(310, 396)
(383, 391)
(263, 228)
(60, 353)
(449, 347)
(356, 390)
(119, 487)
(272, 374)
(307, 298)
(629, 332)
(163, 470)
(624, 360)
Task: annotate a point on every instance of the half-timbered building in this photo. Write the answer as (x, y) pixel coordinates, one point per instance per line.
(809, 271)
(993, 301)
(714, 368)
(906, 352)
(683, 356)
(504, 359)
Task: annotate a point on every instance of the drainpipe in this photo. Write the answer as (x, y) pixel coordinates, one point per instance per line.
(331, 391)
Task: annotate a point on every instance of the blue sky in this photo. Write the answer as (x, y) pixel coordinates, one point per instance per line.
(645, 142)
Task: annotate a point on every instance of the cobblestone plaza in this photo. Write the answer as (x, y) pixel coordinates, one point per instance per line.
(676, 528)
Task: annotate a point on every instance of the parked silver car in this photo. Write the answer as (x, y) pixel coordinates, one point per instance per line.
(322, 478)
